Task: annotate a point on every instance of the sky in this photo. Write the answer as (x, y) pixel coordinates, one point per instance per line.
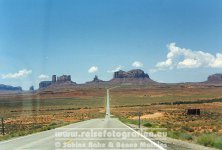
(173, 41)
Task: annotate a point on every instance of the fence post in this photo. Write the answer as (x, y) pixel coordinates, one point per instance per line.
(139, 120)
(3, 127)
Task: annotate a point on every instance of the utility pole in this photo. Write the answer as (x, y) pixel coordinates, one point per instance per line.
(3, 127)
(139, 120)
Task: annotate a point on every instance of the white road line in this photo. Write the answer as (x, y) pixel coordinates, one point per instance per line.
(160, 147)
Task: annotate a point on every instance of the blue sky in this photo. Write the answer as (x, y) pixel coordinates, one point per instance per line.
(173, 41)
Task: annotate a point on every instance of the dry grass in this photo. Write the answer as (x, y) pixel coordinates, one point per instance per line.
(22, 117)
(178, 123)
(50, 109)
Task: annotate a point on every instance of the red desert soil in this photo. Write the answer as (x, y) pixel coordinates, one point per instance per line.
(149, 116)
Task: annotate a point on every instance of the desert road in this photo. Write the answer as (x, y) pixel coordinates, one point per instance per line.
(106, 133)
(48, 140)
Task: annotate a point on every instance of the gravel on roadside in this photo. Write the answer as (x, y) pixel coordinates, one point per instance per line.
(174, 144)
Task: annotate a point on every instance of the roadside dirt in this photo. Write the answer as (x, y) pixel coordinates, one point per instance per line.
(173, 144)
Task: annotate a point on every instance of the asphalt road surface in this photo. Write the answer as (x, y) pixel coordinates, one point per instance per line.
(120, 137)
(106, 133)
(107, 105)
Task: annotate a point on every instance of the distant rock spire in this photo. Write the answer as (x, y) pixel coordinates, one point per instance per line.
(96, 79)
(53, 78)
(31, 88)
(60, 79)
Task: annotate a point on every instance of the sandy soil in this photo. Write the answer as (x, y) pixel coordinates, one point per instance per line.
(150, 116)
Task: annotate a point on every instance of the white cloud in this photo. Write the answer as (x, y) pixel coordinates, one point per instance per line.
(93, 69)
(186, 58)
(164, 64)
(137, 64)
(43, 76)
(218, 61)
(20, 74)
(115, 69)
(188, 63)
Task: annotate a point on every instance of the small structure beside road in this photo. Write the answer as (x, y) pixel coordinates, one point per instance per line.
(193, 111)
